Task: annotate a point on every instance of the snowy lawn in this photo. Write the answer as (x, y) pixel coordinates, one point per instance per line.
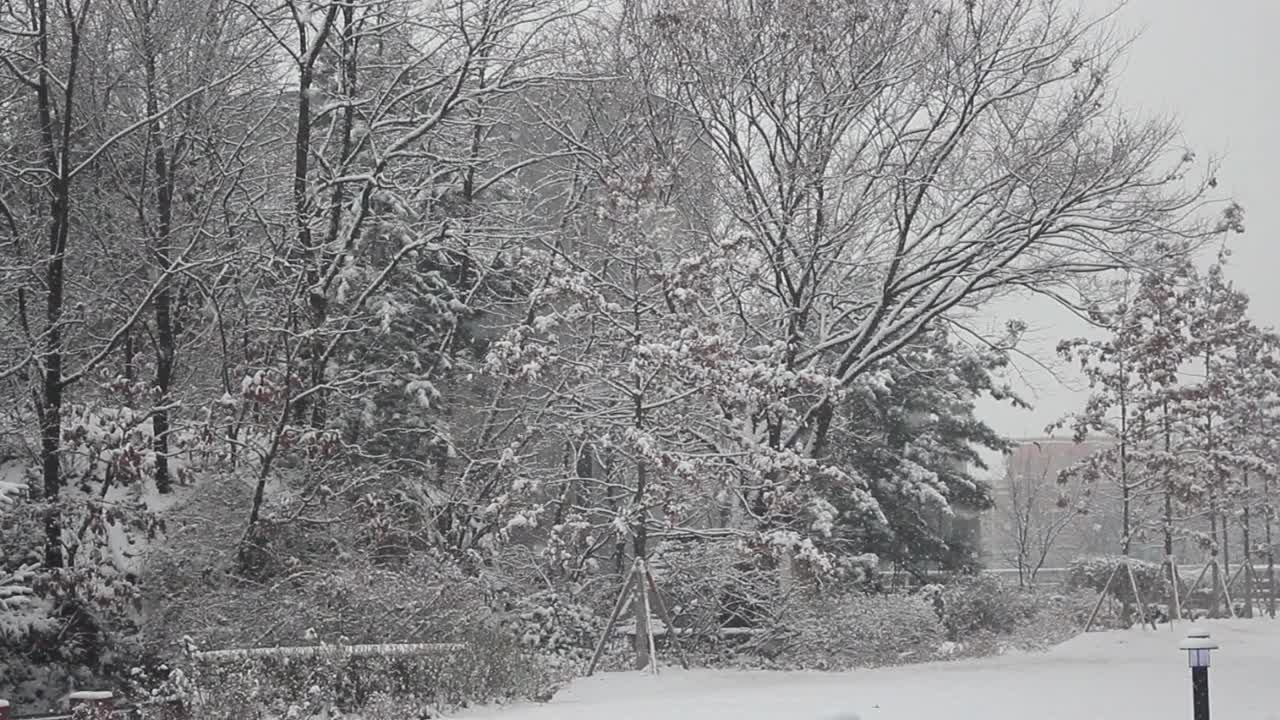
(1132, 675)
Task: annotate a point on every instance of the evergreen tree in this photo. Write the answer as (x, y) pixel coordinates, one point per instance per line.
(1255, 377)
(1218, 325)
(1113, 409)
(911, 431)
(1160, 308)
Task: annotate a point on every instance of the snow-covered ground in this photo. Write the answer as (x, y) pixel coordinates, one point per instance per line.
(1134, 675)
(11, 480)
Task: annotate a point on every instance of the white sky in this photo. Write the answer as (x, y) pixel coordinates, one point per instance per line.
(1211, 64)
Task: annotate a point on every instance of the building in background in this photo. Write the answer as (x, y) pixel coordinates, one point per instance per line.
(1040, 521)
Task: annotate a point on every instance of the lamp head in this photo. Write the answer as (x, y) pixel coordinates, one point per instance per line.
(1198, 644)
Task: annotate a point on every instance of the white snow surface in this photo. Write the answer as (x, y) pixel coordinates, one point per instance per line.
(11, 480)
(1122, 675)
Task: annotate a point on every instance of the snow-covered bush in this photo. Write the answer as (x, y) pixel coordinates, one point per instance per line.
(315, 579)
(488, 667)
(17, 563)
(847, 630)
(555, 624)
(1059, 617)
(983, 615)
(320, 583)
(350, 600)
(710, 587)
(24, 615)
(981, 604)
(1093, 574)
(66, 625)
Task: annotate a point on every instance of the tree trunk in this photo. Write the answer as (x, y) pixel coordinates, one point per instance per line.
(1213, 558)
(51, 413)
(1271, 554)
(822, 430)
(1226, 542)
(639, 605)
(1126, 529)
(311, 408)
(130, 358)
(1213, 500)
(1167, 520)
(55, 142)
(162, 257)
(1169, 561)
(1248, 550)
(640, 531)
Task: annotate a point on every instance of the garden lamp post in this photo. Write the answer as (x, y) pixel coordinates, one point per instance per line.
(1198, 645)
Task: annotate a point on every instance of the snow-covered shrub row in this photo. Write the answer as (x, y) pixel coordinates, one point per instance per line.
(983, 615)
(714, 587)
(733, 608)
(850, 629)
(489, 667)
(980, 603)
(1059, 617)
(312, 584)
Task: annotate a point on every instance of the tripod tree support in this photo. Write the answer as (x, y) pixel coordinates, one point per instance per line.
(1226, 593)
(650, 662)
(1137, 597)
(1249, 585)
(1102, 596)
(640, 580)
(618, 607)
(1195, 586)
(1245, 573)
(665, 615)
(1217, 598)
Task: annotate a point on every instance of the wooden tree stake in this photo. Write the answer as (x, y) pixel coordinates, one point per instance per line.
(618, 607)
(1250, 588)
(643, 589)
(1175, 580)
(1226, 592)
(672, 635)
(1137, 597)
(1199, 578)
(1098, 605)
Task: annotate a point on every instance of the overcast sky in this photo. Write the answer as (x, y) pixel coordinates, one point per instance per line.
(1210, 64)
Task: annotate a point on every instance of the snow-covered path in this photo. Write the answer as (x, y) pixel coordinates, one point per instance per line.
(1132, 675)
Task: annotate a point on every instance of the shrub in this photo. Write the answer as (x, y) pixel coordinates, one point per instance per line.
(347, 597)
(985, 616)
(845, 630)
(710, 587)
(489, 667)
(1093, 574)
(71, 626)
(554, 624)
(425, 599)
(981, 603)
(1059, 617)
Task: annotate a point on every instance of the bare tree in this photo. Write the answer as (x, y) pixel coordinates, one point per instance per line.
(892, 163)
(60, 66)
(1034, 514)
